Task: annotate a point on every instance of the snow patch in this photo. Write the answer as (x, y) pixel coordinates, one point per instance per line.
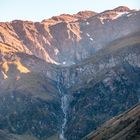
(64, 62)
(101, 19)
(130, 14)
(119, 14)
(88, 35)
(91, 39)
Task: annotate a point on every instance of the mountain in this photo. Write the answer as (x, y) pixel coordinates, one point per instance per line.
(62, 39)
(29, 101)
(105, 86)
(64, 77)
(124, 126)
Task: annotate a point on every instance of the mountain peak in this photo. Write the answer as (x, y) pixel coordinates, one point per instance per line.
(69, 17)
(62, 17)
(122, 9)
(86, 13)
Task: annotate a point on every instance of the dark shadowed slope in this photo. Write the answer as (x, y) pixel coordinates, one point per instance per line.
(123, 127)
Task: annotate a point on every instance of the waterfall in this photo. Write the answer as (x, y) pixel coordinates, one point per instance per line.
(64, 106)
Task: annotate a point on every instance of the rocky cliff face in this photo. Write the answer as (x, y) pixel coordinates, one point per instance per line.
(63, 77)
(62, 39)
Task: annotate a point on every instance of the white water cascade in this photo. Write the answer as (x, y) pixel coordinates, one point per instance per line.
(64, 107)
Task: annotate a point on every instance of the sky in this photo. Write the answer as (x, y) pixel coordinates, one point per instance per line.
(37, 10)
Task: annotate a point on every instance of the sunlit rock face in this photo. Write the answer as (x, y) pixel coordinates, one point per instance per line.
(63, 77)
(62, 39)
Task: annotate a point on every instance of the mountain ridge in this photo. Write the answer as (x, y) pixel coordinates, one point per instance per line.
(62, 78)
(44, 39)
(129, 129)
